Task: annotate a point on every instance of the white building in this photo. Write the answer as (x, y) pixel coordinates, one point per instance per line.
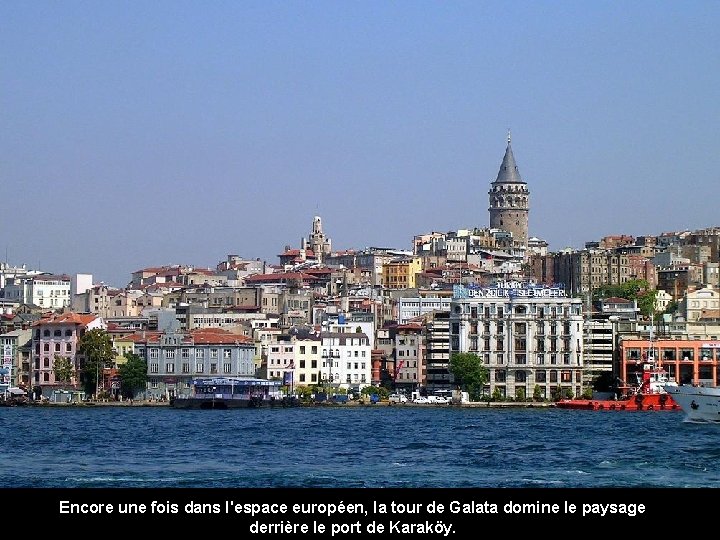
(412, 308)
(529, 337)
(45, 290)
(346, 360)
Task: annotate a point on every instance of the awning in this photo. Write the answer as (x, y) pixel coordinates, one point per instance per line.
(15, 391)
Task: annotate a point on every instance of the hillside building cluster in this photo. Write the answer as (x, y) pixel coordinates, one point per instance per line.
(385, 316)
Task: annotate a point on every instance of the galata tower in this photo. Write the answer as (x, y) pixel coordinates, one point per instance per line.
(510, 200)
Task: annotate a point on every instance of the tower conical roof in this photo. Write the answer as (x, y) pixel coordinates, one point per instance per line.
(508, 170)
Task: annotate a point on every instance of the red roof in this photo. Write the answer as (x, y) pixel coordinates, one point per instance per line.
(67, 318)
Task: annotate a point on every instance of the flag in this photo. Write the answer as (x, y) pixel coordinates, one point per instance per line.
(288, 377)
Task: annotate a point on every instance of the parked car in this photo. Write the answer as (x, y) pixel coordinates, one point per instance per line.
(397, 398)
(438, 400)
(421, 399)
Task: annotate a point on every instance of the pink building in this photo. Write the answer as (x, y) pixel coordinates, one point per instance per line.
(54, 337)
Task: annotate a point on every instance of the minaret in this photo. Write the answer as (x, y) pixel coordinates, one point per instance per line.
(510, 199)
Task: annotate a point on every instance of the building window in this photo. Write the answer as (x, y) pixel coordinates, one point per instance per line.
(199, 367)
(553, 376)
(68, 347)
(46, 347)
(213, 353)
(169, 368)
(185, 367)
(500, 375)
(302, 349)
(153, 383)
(227, 353)
(227, 368)
(302, 364)
(186, 353)
(213, 368)
(170, 353)
(46, 362)
(154, 354)
(199, 353)
(46, 377)
(314, 349)
(540, 376)
(154, 368)
(520, 376)
(566, 375)
(57, 347)
(302, 377)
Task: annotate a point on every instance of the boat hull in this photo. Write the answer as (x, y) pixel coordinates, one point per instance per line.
(226, 403)
(640, 402)
(699, 403)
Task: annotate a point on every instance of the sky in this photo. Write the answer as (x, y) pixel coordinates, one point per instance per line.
(138, 134)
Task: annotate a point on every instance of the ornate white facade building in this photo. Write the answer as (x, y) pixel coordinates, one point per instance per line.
(529, 337)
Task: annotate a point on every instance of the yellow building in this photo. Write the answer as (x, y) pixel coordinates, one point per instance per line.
(401, 273)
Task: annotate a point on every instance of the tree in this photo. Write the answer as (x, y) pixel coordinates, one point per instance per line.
(470, 374)
(96, 347)
(537, 393)
(133, 375)
(63, 368)
(382, 392)
(635, 289)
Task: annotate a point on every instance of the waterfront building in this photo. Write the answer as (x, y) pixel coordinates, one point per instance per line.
(437, 351)
(15, 361)
(409, 372)
(175, 358)
(529, 337)
(57, 336)
(687, 361)
(346, 360)
(294, 358)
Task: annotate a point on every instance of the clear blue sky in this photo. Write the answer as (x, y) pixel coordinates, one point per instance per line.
(145, 133)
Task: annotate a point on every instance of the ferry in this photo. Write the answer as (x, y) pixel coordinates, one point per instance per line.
(699, 403)
(232, 393)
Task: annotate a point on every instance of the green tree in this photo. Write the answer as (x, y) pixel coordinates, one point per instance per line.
(470, 374)
(96, 347)
(133, 375)
(497, 394)
(63, 368)
(635, 289)
(520, 394)
(537, 393)
(381, 391)
(303, 392)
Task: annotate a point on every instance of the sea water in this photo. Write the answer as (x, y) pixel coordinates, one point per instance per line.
(374, 446)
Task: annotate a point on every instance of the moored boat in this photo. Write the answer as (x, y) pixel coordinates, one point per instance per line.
(699, 403)
(232, 393)
(651, 394)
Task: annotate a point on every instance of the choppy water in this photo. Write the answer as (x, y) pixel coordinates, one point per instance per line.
(390, 447)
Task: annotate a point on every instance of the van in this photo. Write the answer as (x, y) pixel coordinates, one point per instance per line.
(397, 398)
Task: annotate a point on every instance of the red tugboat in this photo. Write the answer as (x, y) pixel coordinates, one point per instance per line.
(648, 395)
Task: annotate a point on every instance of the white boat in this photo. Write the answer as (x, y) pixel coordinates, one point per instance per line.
(699, 403)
